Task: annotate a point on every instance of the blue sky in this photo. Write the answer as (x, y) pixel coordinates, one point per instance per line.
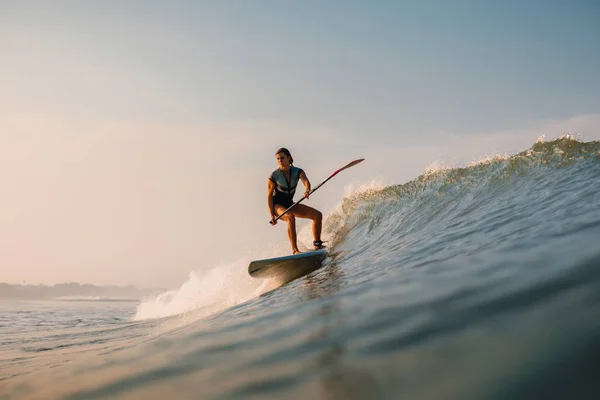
(398, 66)
(183, 103)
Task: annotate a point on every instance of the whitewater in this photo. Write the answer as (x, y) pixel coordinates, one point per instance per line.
(464, 283)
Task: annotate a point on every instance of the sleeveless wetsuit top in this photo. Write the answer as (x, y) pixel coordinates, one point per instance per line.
(284, 189)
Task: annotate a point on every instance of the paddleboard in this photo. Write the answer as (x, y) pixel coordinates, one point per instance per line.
(288, 268)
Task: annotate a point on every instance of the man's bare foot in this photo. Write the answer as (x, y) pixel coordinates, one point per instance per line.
(296, 251)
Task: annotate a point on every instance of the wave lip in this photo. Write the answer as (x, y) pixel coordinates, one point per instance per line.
(487, 177)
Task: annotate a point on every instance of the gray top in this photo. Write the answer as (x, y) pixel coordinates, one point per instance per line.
(283, 187)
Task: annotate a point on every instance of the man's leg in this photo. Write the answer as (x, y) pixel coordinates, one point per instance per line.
(291, 227)
(304, 211)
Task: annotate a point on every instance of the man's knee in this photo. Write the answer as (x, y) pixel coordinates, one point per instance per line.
(291, 218)
(318, 215)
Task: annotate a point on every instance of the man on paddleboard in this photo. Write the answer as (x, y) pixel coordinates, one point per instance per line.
(281, 187)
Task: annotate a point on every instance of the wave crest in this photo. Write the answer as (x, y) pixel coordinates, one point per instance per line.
(483, 177)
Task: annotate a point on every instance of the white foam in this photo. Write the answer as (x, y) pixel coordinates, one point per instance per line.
(578, 136)
(358, 189)
(436, 166)
(206, 292)
(488, 159)
(572, 136)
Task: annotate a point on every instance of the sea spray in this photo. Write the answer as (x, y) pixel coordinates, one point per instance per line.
(205, 292)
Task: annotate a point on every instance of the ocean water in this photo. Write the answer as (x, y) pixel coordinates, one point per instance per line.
(480, 282)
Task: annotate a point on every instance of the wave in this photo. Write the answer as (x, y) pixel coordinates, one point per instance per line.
(437, 190)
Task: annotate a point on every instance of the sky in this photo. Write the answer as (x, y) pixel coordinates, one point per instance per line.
(136, 137)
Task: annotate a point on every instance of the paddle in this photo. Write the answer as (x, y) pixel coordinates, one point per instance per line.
(352, 164)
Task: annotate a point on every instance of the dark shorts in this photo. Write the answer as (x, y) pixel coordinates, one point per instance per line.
(284, 201)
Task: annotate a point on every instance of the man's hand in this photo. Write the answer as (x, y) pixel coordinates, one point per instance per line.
(306, 194)
(273, 221)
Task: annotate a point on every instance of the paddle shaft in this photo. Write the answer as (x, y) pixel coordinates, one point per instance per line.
(352, 164)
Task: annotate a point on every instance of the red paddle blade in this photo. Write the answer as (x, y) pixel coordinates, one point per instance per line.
(352, 164)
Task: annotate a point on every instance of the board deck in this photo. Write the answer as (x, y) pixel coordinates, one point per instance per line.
(287, 268)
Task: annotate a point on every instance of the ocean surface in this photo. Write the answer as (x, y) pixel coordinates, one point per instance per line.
(480, 282)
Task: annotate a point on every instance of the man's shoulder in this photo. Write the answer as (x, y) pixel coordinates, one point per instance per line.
(274, 174)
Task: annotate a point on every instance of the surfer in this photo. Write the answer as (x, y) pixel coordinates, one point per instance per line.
(281, 187)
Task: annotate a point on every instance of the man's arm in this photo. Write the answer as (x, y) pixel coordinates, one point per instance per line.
(306, 183)
(270, 204)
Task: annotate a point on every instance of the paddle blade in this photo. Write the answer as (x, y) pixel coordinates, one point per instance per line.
(352, 164)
